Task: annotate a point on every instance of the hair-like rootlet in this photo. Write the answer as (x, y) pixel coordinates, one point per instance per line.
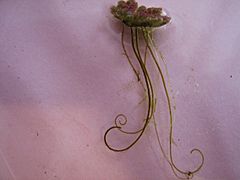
(141, 21)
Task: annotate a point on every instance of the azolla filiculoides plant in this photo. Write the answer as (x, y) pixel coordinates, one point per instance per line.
(142, 21)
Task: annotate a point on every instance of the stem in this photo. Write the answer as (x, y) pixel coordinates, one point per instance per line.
(150, 94)
(126, 54)
(188, 174)
(145, 71)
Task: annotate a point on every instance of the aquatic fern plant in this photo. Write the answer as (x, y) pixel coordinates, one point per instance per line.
(142, 21)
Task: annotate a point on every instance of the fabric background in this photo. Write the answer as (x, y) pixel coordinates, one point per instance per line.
(63, 79)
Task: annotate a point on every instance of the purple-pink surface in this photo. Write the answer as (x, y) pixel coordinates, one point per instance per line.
(63, 79)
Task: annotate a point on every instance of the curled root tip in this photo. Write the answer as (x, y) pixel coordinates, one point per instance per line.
(120, 120)
(202, 160)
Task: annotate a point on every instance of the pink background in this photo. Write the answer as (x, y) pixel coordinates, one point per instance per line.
(63, 79)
